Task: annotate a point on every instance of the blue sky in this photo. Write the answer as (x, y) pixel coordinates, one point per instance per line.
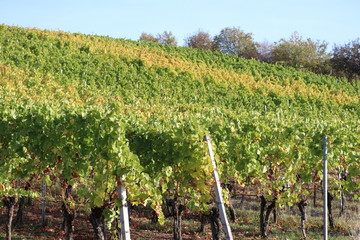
(335, 21)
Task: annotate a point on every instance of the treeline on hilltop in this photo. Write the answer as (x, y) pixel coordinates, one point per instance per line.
(302, 54)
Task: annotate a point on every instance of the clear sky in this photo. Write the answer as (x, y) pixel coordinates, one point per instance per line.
(335, 21)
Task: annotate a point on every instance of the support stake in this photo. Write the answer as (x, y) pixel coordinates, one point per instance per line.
(325, 180)
(218, 193)
(124, 213)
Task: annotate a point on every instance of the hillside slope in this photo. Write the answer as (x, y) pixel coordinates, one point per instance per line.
(76, 65)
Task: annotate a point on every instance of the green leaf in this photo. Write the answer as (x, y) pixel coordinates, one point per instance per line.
(46, 179)
(98, 201)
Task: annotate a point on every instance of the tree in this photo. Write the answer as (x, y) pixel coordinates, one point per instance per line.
(235, 41)
(299, 53)
(148, 37)
(164, 38)
(200, 40)
(167, 38)
(264, 50)
(346, 60)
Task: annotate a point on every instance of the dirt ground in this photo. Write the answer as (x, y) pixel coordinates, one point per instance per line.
(140, 226)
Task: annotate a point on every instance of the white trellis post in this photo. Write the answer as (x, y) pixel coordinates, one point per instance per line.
(218, 194)
(124, 212)
(325, 180)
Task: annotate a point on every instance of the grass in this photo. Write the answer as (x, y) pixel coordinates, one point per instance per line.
(353, 220)
(288, 224)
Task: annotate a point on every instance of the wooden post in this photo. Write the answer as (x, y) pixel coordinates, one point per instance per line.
(218, 193)
(124, 213)
(325, 180)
